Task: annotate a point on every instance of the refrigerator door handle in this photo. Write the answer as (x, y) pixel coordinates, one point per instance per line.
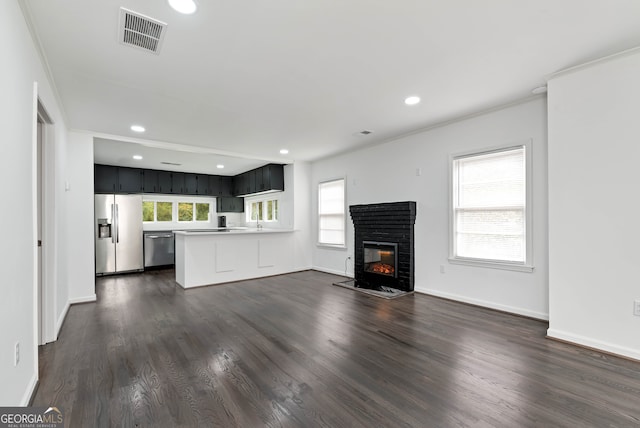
(117, 225)
(113, 217)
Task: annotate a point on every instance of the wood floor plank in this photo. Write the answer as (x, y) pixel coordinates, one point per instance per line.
(295, 351)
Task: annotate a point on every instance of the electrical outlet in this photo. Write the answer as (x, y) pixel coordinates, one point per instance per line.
(17, 356)
(636, 308)
(441, 268)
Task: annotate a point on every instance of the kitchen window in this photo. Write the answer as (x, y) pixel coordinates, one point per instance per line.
(156, 211)
(491, 210)
(264, 210)
(193, 211)
(331, 213)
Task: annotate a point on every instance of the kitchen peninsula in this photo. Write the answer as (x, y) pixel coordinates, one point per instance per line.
(206, 257)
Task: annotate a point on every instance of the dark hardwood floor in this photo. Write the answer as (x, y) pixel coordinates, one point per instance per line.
(295, 351)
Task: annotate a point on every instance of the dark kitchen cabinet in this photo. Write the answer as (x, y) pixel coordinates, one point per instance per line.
(275, 177)
(238, 184)
(164, 182)
(220, 185)
(150, 181)
(229, 205)
(129, 180)
(203, 184)
(225, 185)
(105, 178)
(251, 182)
(190, 184)
(177, 183)
(214, 185)
(270, 177)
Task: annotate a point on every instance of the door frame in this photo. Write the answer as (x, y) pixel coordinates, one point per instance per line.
(45, 331)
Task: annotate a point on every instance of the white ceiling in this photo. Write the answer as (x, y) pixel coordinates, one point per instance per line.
(252, 77)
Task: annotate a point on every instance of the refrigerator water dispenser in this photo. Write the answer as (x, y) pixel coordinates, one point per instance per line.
(104, 228)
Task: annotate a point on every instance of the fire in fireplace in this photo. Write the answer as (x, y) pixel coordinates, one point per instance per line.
(381, 258)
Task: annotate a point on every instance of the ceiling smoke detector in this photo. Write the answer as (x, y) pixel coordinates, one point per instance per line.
(365, 132)
(141, 31)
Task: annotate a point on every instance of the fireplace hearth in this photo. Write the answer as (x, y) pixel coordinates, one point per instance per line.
(384, 247)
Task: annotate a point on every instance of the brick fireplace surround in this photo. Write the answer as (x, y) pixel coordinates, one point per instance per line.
(391, 222)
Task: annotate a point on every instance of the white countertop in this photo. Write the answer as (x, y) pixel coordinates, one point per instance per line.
(224, 231)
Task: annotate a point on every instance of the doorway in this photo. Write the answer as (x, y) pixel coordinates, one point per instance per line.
(44, 226)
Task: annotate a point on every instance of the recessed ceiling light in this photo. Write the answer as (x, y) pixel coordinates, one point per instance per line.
(284, 152)
(137, 128)
(219, 166)
(137, 157)
(184, 6)
(412, 100)
(539, 90)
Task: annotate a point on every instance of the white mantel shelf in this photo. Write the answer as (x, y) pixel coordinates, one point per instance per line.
(206, 257)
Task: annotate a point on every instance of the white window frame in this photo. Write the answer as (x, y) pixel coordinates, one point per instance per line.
(263, 201)
(344, 215)
(193, 210)
(155, 211)
(527, 265)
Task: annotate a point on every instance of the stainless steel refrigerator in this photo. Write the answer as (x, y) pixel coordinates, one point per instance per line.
(118, 233)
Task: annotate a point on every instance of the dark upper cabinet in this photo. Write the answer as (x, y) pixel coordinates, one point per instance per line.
(150, 181)
(113, 179)
(238, 184)
(129, 180)
(164, 182)
(275, 176)
(250, 184)
(269, 177)
(225, 185)
(203, 184)
(214, 185)
(177, 183)
(229, 205)
(190, 184)
(105, 178)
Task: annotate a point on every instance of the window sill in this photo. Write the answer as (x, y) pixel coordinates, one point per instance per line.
(331, 246)
(491, 264)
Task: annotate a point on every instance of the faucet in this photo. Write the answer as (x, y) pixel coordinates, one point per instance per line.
(258, 225)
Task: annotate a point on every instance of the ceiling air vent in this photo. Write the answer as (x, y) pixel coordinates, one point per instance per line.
(141, 31)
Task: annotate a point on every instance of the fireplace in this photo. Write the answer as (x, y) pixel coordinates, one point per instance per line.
(380, 258)
(384, 250)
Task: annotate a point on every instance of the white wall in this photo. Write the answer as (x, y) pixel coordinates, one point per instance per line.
(79, 221)
(594, 231)
(387, 173)
(21, 67)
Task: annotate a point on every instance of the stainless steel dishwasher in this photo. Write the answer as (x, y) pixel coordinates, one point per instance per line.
(159, 249)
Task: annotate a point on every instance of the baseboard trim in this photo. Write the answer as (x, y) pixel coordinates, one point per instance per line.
(61, 318)
(30, 393)
(486, 304)
(85, 299)
(332, 271)
(63, 315)
(594, 344)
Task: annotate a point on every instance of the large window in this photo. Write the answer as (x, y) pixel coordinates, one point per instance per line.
(165, 211)
(490, 210)
(331, 213)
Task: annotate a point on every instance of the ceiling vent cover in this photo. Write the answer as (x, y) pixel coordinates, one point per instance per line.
(141, 31)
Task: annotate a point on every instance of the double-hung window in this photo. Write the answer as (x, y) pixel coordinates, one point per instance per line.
(490, 222)
(331, 213)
